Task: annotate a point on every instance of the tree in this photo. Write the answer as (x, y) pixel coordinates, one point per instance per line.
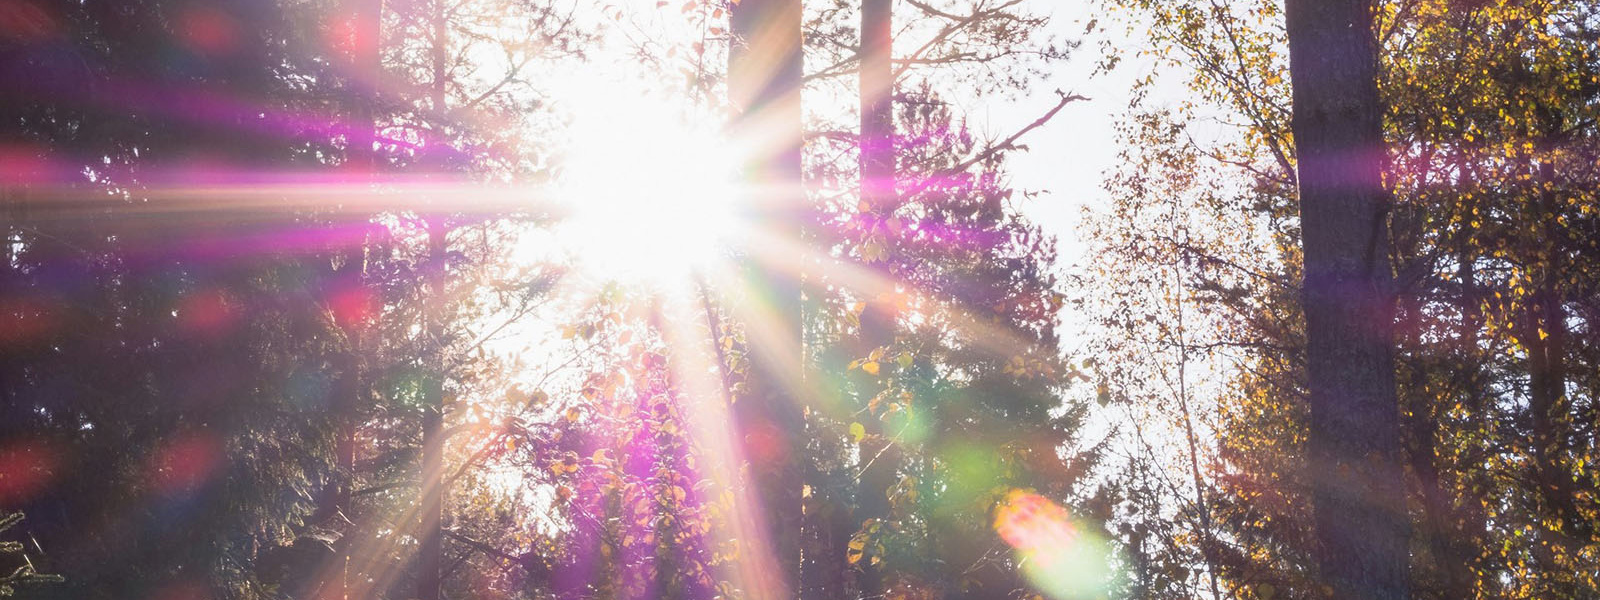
(916, 174)
(879, 458)
(764, 80)
(221, 337)
(1359, 492)
(1460, 147)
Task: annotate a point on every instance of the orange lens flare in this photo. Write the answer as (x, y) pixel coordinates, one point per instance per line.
(1058, 555)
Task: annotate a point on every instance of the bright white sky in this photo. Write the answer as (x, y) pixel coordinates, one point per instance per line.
(1067, 159)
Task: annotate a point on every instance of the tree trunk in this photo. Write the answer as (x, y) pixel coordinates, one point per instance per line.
(349, 390)
(430, 560)
(1202, 508)
(1545, 337)
(1427, 406)
(878, 458)
(764, 80)
(351, 387)
(1358, 491)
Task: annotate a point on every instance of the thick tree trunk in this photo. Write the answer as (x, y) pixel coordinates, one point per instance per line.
(764, 81)
(879, 459)
(1358, 495)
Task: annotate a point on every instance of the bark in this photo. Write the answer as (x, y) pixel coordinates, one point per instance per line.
(824, 572)
(879, 459)
(367, 69)
(1358, 493)
(764, 70)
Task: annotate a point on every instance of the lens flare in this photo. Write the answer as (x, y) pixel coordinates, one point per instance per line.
(1058, 555)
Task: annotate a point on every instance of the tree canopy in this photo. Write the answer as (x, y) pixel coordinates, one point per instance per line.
(722, 299)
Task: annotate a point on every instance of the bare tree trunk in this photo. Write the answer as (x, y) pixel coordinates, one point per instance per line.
(764, 80)
(1421, 441)
(1358, 491)
(1208, 542)
(879, 459)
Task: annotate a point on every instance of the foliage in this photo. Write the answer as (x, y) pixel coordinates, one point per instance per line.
(1490, 106)
(24, 574)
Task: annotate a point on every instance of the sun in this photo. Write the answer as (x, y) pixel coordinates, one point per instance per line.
(650, 191)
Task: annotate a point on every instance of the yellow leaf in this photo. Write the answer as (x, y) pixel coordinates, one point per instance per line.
(872, 251)
(858, 431)
(870, 367)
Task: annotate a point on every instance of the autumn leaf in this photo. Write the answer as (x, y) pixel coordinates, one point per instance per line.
(855, 549)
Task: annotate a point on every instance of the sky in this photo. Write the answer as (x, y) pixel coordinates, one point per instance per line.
(1066, 160)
